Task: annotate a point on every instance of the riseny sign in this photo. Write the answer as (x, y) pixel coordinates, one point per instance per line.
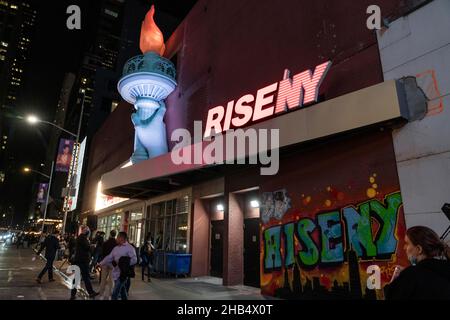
(289, 93)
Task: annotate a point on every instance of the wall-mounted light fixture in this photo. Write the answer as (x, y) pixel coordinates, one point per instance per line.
(254, 203)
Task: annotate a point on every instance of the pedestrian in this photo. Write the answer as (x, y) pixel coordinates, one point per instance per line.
(146, 255)
(122, 268)
(51, 246)
(98, 241)
(41, 240)
(106, 280)
(71, 243)
(19, 240)
(428, 277)
(82, 259)
(26, 240)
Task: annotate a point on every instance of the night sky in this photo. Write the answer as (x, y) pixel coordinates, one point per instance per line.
(55, 51)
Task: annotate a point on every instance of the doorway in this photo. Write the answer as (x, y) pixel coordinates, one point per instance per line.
(251, 253)
(216, 262)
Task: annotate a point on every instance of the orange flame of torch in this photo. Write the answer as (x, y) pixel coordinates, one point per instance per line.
(152, 39)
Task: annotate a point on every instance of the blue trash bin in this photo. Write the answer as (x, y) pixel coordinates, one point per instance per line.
(178, 263)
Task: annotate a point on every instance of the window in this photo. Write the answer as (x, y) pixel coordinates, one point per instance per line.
(113, 222)
(168, 224)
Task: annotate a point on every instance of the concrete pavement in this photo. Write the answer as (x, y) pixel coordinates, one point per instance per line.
(17, 277)
(18, 273)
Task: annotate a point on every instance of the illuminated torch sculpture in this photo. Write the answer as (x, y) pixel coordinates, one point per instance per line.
(147, 80)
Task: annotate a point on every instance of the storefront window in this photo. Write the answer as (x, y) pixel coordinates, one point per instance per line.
(135, 226)
(106, 224)
(169, 223)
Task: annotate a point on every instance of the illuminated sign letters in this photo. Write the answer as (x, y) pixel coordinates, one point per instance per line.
(300, 90)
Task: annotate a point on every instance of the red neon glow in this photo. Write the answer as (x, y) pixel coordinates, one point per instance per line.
(152, 39)
(228, 115)
(301, 90)
(308, 86)
(243, 108)
(215, 116)
(264, 98)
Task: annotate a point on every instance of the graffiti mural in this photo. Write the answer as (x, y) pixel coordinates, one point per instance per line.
(274, 205)
(334, 227)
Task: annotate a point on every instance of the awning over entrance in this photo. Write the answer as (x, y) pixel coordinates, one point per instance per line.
(393, 101)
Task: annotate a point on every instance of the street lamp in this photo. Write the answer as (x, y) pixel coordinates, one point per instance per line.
(27, 170)
(32, 119)
(50, 178)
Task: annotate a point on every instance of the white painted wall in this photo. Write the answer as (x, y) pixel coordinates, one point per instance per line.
(412, 45)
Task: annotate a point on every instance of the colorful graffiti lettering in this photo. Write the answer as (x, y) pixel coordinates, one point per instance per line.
(330, 249)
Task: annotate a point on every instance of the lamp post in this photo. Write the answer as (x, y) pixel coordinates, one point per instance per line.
(50, 177)
(34, 120)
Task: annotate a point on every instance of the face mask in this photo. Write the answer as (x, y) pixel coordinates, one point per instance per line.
(412, 260)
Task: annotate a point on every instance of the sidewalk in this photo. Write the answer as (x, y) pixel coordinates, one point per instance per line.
(18, 277)
(202, 288)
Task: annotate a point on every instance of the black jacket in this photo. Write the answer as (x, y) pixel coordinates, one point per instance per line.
(429, 279)
(51, 246)
(126, 270)
(108, 246)
(71, 244)
(82, 250)
(98, 244)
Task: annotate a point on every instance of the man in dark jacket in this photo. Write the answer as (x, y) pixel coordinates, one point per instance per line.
(71, 243)
(82, 259)
(429, 279)
(51, 246)
(98, 241)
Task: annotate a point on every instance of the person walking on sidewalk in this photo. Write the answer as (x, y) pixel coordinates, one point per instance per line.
(41, 240)
(98, 241)
(106, 280)
(122, 258)
(428, 277)
(146, 253)
(82, 259)
(71, 244)
(51, 246)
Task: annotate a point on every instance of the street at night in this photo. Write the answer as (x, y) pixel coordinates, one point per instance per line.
(19, 271)
(224, 157)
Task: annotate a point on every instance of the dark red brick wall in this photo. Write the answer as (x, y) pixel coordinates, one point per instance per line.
(230, 48)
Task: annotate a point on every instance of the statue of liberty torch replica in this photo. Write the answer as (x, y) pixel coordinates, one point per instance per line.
(147, 80)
